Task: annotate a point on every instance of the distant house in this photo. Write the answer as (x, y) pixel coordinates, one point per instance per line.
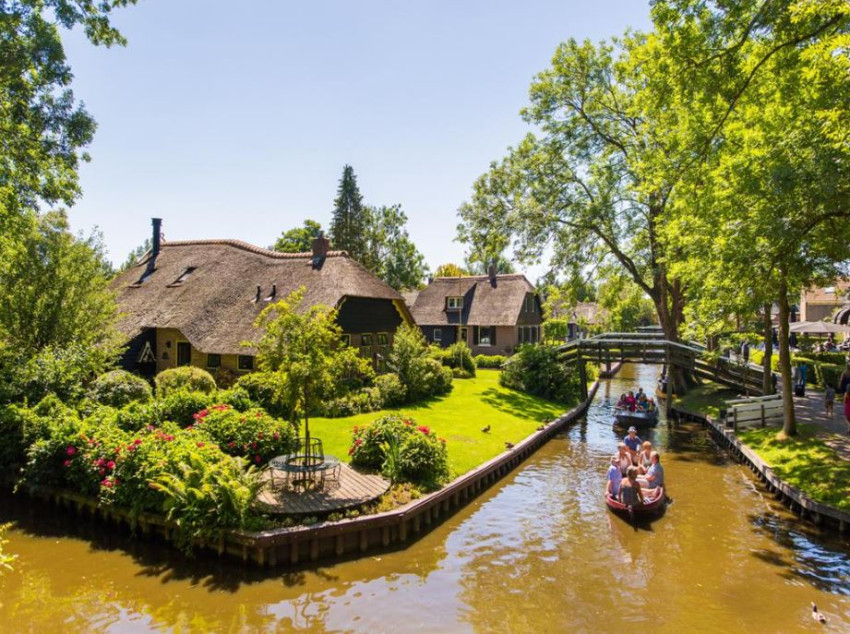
(194, 302)
(817, 304)
(491, 313)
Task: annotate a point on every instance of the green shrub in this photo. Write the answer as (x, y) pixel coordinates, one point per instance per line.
(253, 435)
(186, 377)
(225, 377)
(13, 420)
(458, 355)
(416, 454)
(437, 379)
(828, 374)
(494, 361)
(237, 397)
(265, 389)
(421, 375)
(119, 387)
(459, 373)
(63, 371)
(136, 416)
(393, 393)
(364, 400)
(537, 370)
(181, 406)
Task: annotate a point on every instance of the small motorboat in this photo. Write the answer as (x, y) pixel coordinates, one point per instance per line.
(649, 507)
(627, 418)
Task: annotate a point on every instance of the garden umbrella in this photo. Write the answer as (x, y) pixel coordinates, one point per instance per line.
(817, 327)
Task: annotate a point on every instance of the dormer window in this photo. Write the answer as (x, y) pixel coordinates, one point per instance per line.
(454, 303)
(183, 276)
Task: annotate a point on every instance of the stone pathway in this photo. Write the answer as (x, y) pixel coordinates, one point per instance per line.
(833, 431)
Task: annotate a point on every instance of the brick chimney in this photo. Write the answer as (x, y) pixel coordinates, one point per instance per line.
(321, 245)
(491, 272)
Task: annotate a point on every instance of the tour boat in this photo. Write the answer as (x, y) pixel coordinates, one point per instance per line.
(651, 507)
(627, 418)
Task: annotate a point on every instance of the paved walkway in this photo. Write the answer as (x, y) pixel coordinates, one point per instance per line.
(833, 431)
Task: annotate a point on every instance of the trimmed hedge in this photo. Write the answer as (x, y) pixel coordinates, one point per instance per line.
(184, 378)
(493, 362)
(119, 388)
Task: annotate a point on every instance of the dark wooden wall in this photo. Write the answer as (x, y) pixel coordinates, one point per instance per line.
(366, 314)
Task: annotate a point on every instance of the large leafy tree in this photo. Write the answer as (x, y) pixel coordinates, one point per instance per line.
(298, 239)
(391, 254)
(450, 269)
(349, 223)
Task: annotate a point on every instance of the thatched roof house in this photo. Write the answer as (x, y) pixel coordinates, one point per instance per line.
(195, 301)
(491, 313)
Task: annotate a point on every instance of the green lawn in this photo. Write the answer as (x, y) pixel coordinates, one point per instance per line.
(458, 417)
(708, 399)
(805, 462)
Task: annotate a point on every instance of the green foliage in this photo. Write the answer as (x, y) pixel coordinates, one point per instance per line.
(421, 376)
(626, 306)
(184, 378)
(225, 377)
(828, 374)
(136, 416)
(299, 239)
(417, 454)
(267, 389)
(393, 393)
(556, 330)
(390, 253)
(118, 388)
(490, 361)
(253, 435)
(450, 270)
(13, 421)
(367, 399)
(348, 224)
(457, 355)
(237, 397)
(537, 370)
(5, 558)
(181, 406)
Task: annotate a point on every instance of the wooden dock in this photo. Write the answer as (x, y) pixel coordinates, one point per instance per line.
(353, 489)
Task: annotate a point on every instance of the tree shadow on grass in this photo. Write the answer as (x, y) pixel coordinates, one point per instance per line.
(521, 405)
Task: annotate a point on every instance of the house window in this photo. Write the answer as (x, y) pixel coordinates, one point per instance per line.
(245, 362)
(383, 339)
(463, 333)
(529, 303)
(214, 361)
(365, 340)
(454, 303)
(485, 337)
(438, 334)
(184, 353)
(345, 340)
(366, 351)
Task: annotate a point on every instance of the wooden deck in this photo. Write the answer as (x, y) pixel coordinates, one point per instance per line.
(352, 490)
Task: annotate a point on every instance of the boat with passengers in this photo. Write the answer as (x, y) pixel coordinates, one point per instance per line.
(636, 411)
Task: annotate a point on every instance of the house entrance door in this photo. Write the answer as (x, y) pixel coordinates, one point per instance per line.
(184, 353)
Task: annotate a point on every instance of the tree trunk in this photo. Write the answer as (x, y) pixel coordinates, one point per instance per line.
(668, 304)
(789, 426)
(767, 380)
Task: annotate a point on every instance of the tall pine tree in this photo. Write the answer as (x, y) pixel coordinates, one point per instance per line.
(348, 225)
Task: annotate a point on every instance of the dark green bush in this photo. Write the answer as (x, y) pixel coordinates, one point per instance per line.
(181, 406)
(225, 378)
(537, 370)
(119, 387)
(366, 399)
(265, 389)
(421, 375)
(137, 416)
(828, 374)
(237, 397)
(186, 377)
(393, 393)
(421, 456)
(458, 355)
(491, 361)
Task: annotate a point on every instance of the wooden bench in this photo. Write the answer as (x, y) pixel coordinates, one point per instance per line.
(760, 410)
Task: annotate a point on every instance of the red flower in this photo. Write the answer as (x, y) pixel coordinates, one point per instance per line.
(107, 483)
(101, 462)
(424, 429)
(408, 422)
(138, 441)
(110, 465)
(254, 445)
(131, 447)
(257, 459)
(200, 415)
(276, 436)
(200, 444)
(259, 414)
(71, 450)
(67, 463)
(231, 444)
(358, 442)
(102, 472)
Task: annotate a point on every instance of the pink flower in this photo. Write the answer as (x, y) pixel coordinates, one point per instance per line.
(138, 441)
(150, 427)
(101, 462)
(107, 483)
(67, 463)
(71, 450)
(200, 444)
(110, 465)
(102, 472)
(276, 436)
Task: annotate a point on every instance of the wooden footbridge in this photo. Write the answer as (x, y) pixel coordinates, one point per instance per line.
(652, 347)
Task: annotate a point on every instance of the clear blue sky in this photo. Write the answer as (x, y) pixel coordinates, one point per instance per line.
(234, 120)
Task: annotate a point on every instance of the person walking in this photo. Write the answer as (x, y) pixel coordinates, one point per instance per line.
(829, 401)
(847, 409)
(745, 351)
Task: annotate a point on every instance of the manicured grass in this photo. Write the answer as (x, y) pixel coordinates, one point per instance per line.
(458, 417)
(804, 461)
(708, 398)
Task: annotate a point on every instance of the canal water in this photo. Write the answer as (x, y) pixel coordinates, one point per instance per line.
(538, 551)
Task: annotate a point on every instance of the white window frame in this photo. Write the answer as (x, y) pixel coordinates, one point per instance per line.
(438, 335)
(454, 303)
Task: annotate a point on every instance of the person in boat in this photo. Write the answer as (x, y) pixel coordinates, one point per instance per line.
(630, 491)
(622, 403)
(644, 457)
(650, 405)
(630, 401)
(623, 458)
(654, 478)
(614, 478)
(632, 442)
(642, 404)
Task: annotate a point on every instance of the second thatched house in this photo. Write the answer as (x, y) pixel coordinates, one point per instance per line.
(194, 302)
(491, 313)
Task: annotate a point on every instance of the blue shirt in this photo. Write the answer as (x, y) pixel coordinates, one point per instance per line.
(615, 477)
(635, 444)
(658, 471)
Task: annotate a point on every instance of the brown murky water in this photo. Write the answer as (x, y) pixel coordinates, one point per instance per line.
(537, 552)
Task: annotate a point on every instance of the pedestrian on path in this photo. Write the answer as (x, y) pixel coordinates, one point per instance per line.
(829, 401)
(847, 409)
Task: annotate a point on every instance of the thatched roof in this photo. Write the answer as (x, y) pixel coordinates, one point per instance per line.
(215, 305)
(484, 303)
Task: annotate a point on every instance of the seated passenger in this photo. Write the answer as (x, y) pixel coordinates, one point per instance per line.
(644, 458)
(630, 491)
(630, 401)
(614, 478)
(642, 403)
(622, 403)
(654, 477)
(650, 407)
(632, 442)
(623, 458)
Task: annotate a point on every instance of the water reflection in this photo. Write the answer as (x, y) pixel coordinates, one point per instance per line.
(537, 551)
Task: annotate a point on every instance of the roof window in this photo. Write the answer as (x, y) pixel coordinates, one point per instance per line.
(183, 276)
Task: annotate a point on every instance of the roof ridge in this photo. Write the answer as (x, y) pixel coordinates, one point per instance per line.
(245, 246)
(480, 277)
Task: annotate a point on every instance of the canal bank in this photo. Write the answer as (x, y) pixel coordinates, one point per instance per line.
(536, 550)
